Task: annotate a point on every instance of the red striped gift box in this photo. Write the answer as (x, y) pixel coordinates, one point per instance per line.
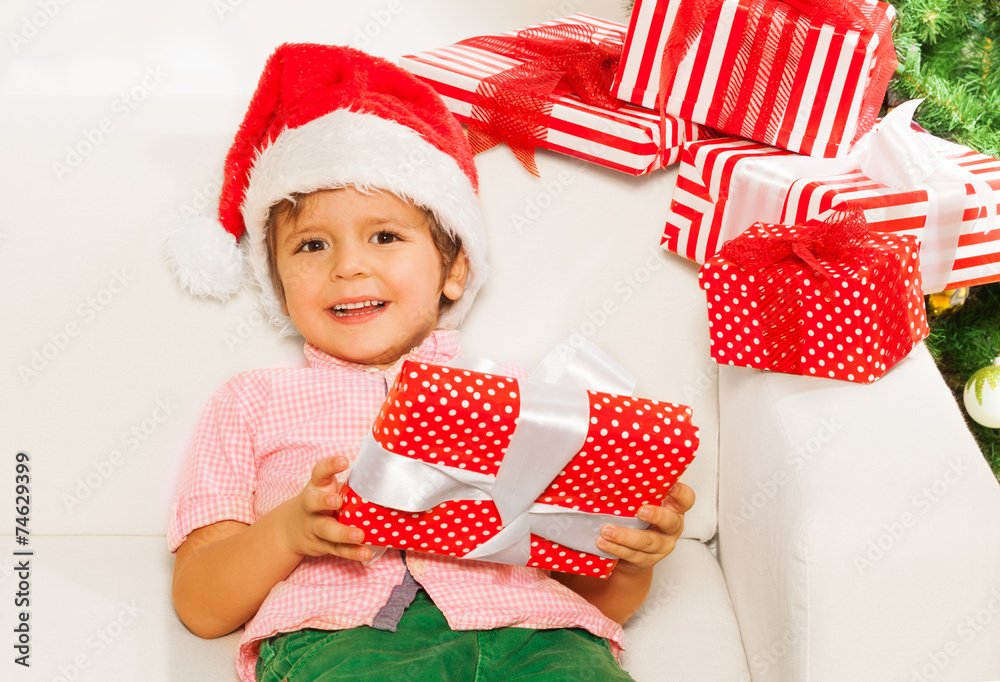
(763, 70)
(626, 140)
(726, 185)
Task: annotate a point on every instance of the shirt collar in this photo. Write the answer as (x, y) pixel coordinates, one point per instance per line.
(440, 347)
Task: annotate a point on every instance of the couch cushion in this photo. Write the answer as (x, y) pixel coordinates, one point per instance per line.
(686, 631)
(101, 610)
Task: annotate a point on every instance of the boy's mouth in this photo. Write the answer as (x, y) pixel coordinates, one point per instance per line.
(358, 308)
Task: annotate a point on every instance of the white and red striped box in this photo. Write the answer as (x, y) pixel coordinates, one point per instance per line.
(725, 185)
(814, 111)
(626, 140)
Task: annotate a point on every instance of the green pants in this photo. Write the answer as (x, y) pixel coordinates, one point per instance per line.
(425, 648)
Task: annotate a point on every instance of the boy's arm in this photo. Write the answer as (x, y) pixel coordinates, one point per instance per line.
(623, 592)
(223, 572)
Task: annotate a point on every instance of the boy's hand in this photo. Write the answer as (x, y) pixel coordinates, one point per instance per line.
(640, 550)
(311, 523)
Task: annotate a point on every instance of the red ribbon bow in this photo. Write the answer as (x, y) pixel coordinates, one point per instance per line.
(838, 243)
(692, 15)
(513, 106)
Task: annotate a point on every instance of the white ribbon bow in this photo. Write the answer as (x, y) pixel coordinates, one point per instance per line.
(896, 156)
(551, 428)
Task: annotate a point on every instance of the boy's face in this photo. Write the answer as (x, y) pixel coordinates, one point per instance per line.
(361, 274)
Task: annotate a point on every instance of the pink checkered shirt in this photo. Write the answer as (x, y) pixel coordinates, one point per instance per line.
(256, 446)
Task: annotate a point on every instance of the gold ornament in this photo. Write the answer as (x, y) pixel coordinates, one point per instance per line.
(950, 299)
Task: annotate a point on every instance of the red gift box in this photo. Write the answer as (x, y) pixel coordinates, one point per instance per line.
(805, 76)
(828, 299)
(483, 466)
(623, 136)
(727, 184)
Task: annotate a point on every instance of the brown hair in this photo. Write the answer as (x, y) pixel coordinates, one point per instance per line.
(448, 247)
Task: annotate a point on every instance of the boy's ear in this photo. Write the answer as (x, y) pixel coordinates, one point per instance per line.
(454, 281)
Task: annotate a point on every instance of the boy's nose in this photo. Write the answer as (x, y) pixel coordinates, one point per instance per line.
(349, 262)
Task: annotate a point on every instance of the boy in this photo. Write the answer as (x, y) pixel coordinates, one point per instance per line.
(357, 190)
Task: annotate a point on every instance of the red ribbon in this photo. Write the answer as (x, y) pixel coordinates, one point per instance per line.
(514, 106)
(841, 243)
(692, 16)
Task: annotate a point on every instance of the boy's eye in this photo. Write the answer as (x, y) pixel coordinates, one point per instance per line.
(384, 238)
(312, 245)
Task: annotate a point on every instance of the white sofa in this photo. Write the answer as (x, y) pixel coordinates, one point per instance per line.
(842, 532)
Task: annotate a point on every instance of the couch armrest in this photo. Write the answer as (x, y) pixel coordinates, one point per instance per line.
(858, 527)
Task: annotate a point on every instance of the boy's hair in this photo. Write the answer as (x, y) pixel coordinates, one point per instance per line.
(448, 247)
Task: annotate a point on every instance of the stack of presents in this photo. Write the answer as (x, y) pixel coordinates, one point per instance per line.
(818, 226)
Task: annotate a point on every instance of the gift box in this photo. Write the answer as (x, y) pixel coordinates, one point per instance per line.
(807, 77)
(489, 83)
(906, 182)
(483, 466)
(828, 299)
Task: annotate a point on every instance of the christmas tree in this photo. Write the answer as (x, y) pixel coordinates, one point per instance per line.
(949, 55)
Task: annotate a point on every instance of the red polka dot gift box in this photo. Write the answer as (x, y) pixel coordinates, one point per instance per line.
(823, 299)
(488, 467)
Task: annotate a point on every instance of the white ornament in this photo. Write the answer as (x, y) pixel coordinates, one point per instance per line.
(982, 395)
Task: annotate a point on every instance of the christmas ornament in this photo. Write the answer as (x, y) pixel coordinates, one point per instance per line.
(982, 397)
(949, 299)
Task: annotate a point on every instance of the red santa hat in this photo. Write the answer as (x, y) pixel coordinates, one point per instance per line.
(325, 117)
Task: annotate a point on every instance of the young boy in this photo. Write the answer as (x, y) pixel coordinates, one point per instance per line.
(357, 190)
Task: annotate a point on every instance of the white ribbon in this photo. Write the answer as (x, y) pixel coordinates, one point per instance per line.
(552, 427)
(894, 155)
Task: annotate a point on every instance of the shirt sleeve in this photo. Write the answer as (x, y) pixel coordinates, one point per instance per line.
(219, 476)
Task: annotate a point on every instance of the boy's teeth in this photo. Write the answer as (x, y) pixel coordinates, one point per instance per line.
(343, 307)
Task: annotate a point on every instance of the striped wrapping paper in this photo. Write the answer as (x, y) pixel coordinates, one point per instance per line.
(715, 178)
(626, 140)
(814, 111)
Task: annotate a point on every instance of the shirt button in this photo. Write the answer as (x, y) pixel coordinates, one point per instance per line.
(418, 567)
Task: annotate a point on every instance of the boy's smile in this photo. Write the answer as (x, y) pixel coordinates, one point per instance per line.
(361, 275)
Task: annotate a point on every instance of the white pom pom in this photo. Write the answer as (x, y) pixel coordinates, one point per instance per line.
(207, 260)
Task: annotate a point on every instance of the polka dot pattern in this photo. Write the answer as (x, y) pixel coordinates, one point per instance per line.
(850, 325)
(449, 417)
(634, 451)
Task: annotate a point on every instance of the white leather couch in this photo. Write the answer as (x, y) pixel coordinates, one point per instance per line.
(842, 532)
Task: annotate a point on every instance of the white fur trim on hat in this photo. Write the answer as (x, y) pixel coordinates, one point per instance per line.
(207, 260)
(354, 149)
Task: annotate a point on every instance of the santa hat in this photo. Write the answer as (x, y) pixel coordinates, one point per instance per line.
(325, 117)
